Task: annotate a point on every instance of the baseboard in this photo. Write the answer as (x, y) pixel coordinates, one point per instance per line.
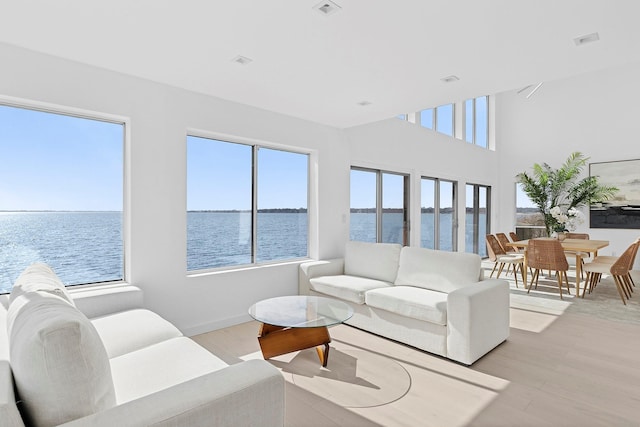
(214, 325)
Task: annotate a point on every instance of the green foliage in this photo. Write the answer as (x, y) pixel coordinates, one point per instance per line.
(563, 187)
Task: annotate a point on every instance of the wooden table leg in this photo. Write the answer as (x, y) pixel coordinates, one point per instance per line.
(578, 272)
(277, 340)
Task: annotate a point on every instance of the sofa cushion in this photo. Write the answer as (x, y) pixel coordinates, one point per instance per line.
(410, 301)
(160, 366)
(39, 277)
(118, 337)
(59, 364)
(348, 288)
(437, 270)
(372, 260)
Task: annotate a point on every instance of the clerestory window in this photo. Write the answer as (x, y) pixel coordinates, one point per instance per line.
(476, 128)
(440, 119)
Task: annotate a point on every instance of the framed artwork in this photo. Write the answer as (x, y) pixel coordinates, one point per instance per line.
(623, 211)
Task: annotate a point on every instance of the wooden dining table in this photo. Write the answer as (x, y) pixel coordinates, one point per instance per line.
(577, 246)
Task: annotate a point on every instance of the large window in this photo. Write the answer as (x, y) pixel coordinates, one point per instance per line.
(476, 128)
(439, 219)
(245, 204)
(379, 206)
(477, 218)
(61, 195)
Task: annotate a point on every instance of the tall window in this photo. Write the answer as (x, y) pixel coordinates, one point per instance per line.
(477, 218)
(61, 195)
(476, 128)
(439, 219)
(245, 204)
(379, 206)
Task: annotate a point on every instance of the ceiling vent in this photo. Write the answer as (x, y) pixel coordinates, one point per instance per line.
(589, 38)
(242, 60)
(327, 8)
(364, 103)
(450, 79)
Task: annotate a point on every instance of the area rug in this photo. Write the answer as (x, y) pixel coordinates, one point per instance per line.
(604, 302)
(352, 378)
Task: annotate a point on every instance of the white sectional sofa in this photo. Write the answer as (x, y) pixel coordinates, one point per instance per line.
(76, 359)
(433, 300)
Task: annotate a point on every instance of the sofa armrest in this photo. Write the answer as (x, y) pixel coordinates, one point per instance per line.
(309, 270)
(477, 319)
(99, 300)
(250, 393)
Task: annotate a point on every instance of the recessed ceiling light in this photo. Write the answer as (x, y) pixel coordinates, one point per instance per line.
(589, 38)
(327, 7)
(450, 79)
(364, 103)
(242, 60)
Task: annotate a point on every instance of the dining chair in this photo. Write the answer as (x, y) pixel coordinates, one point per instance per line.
(498, 255)
(608, 259)
(514, 237)
(548, 254)
(619, 270)
(571, 255)
(504, 242)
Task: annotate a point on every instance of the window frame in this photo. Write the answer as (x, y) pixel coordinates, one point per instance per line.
(436, 211)
(473, 138)
(255, 146)
(478, 240)
(125, 122)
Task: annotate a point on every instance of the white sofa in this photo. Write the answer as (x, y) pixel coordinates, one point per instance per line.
(125, 367)
(433, 300)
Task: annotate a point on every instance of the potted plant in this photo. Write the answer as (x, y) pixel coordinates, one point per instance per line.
(559, 193)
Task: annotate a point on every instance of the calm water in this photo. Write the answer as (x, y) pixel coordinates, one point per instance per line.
(82, 247)
(86, 247)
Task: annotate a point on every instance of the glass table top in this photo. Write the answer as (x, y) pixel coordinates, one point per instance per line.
(300, 311)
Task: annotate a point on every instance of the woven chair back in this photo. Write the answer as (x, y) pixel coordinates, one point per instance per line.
(625, 262)
(494, 249)
(514, 237)
(546, 254)
(504, 240)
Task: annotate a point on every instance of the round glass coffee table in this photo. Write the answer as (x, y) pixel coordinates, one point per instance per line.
(298, 322)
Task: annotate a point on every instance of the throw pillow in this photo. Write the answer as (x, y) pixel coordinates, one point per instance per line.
(59, 363)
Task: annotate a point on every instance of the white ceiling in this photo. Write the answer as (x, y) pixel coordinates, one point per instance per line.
(390, 53)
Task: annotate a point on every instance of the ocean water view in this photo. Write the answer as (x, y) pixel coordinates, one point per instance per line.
(87, 247)
(82, 247)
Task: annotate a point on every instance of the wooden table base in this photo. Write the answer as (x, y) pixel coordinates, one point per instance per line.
(277, 340)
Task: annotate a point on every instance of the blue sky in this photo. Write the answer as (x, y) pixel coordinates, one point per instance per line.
(219, 176)
(57, 162)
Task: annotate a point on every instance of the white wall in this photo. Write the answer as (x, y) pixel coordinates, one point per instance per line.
(159, 117)
(595, 113)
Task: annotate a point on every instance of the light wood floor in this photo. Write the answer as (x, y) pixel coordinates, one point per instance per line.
(558, 368)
